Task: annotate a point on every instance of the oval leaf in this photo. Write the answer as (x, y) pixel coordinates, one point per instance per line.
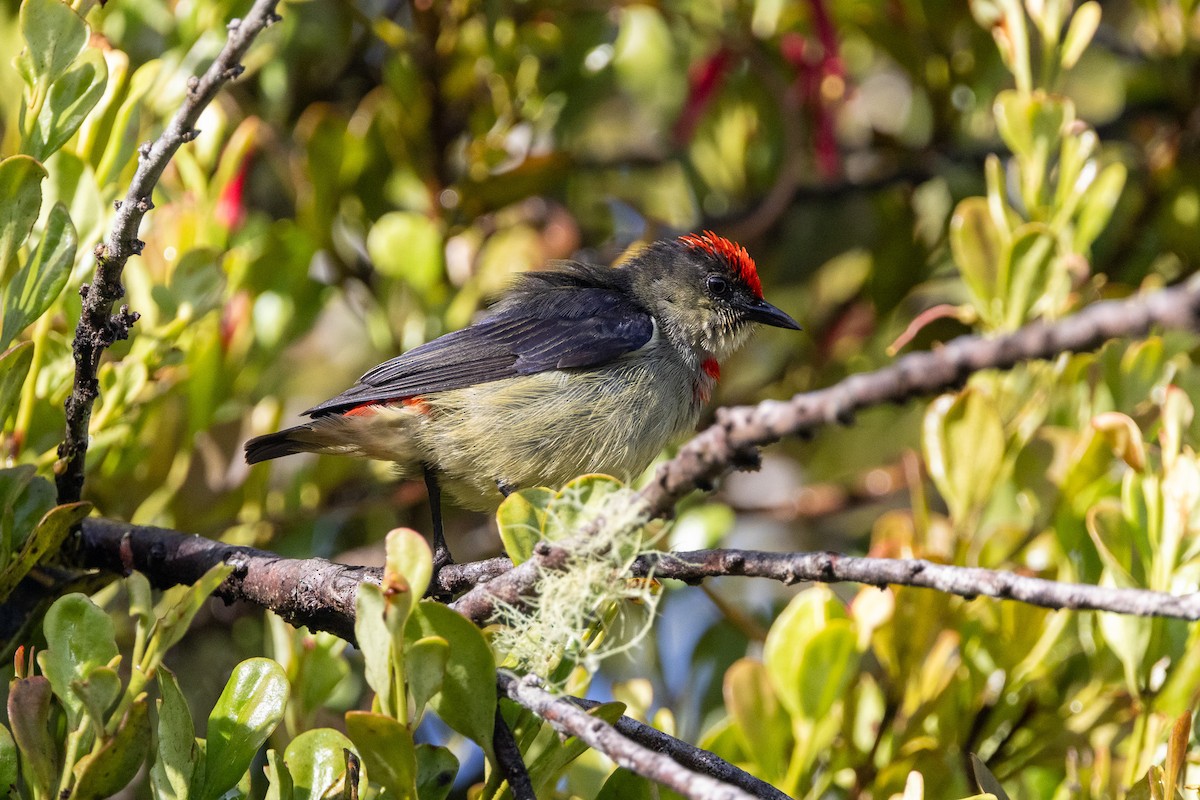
(175, 754)
(316, 761)
(20, 203)
(386, 746)
(467, 701)
(80, 638)
(54, 34)
(39, 282)
(248, 710)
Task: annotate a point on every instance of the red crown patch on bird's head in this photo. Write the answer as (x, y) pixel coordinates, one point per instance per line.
(732, 253)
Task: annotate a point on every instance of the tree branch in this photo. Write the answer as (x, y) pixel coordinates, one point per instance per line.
(968, 582)
(569, 719)
(741, 430)
(320, 594)
(688, 755)
(98, 327)
(311, 591)
(508, 754)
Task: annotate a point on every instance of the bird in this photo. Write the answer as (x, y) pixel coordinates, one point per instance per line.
(576, 369)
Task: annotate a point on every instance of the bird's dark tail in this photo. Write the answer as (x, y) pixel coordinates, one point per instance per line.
(276, 445)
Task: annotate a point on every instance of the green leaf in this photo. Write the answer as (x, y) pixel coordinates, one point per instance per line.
(378, 627)
(436, 770)
(1030, 124)
(829, 664)
(176, 753)
(29, 715)
(80, 639)
(425, 662)
(521, 519)
(9, 762)
(14, 367)
(316, 762)
(1031, 269)
(978, 249)
(1079, 33)
(406, 245)
(73, 182)
(625, 785)
(54, 35)
(279, 781)
(1098, 204)
(106, 771)
(70, 99)
(387, 748)
(408, 555)
(580, 500)
(809, 613)
(45, 540)
(180, 604)
(248, 710)
(99, 692)
(467, 701)
(964, 448)
(39, 282)
(20, 203)
(762, 727)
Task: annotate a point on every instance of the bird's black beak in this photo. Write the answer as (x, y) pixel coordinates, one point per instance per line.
(761, 311)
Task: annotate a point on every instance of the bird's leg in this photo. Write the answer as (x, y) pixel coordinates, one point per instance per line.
(505, 487)
(441, 553)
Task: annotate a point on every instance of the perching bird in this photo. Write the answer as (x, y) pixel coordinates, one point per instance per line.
(578, 370)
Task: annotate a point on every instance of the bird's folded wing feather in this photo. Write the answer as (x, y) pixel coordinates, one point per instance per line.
(566, 328)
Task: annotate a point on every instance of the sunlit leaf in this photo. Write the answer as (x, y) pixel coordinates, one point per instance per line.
(521, 519)
(20, 200)
(248, 710)
(80, 638)
(175, 750)
(71, 97)
(54, 35)
(39, 282)
(467, 700)
(316, 762)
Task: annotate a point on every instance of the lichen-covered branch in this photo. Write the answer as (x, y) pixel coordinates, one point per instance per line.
(98, 326)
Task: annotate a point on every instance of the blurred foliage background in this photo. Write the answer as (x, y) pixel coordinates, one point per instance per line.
(903, 172)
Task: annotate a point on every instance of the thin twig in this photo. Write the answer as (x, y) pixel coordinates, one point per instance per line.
(968, 582)
(689, 755)
(98, 327)
(568, 718)
(508, 754)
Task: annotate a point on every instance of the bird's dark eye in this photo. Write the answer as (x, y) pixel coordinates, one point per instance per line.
(717, 285)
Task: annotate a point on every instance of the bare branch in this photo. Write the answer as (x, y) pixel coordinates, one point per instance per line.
(568, 718)
(311, 591)
(98, 326)
(688, 755)
(508, 754)
(968, 582)
(740, 431)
